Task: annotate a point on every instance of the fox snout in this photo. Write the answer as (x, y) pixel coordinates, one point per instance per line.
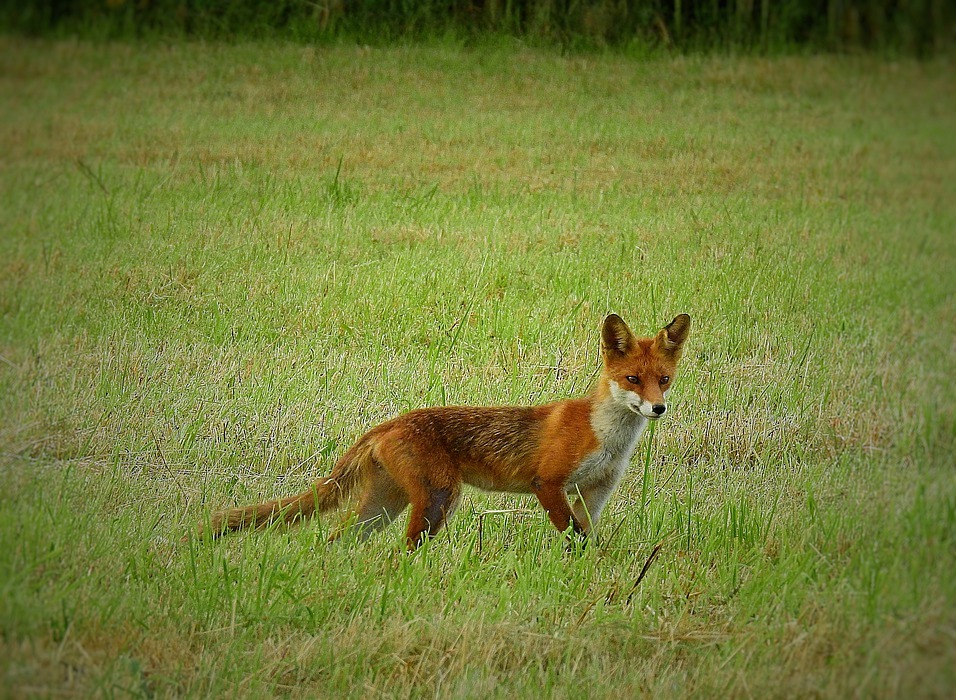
(652, 408)
(651, 411)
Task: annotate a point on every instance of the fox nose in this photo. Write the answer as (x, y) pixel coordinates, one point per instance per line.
(659, 409)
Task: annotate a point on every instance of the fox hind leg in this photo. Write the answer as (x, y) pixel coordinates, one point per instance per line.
(430, 512)
(381, 502)
(427, 476)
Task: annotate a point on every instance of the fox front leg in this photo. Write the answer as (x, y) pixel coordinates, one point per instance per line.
(554, 499)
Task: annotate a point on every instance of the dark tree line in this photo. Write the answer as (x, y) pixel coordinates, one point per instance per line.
(919, 27)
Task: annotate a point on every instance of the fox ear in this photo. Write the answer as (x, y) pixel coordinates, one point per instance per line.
(673, 335)
(615, 335)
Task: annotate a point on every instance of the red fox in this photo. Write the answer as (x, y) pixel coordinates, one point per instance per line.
(578, 446)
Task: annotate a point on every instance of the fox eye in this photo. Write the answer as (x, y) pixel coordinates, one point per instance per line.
(633, 380)
(665, 380)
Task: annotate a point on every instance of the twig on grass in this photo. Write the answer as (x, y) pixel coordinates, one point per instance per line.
(640, 576)
(169, 471)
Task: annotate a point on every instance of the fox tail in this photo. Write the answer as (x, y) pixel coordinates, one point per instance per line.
(325, 494)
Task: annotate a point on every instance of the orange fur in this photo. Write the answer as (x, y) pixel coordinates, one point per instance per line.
(422, 458)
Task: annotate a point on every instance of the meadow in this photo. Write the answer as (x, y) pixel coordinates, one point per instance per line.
(221, 264)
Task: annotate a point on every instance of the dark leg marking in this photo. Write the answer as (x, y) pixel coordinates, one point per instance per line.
(440, 502)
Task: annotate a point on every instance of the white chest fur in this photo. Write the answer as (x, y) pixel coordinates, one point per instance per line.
(617, 429)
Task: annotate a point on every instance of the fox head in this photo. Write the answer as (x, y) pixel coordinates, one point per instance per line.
(639, 371)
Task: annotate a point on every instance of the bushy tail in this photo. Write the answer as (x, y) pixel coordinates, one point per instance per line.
(325, 494)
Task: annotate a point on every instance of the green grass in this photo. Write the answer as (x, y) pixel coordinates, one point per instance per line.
(220, 265)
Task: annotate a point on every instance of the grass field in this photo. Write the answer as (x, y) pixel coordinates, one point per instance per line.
(220, 265)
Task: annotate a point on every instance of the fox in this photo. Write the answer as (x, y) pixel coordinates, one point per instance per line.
(574, 448)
